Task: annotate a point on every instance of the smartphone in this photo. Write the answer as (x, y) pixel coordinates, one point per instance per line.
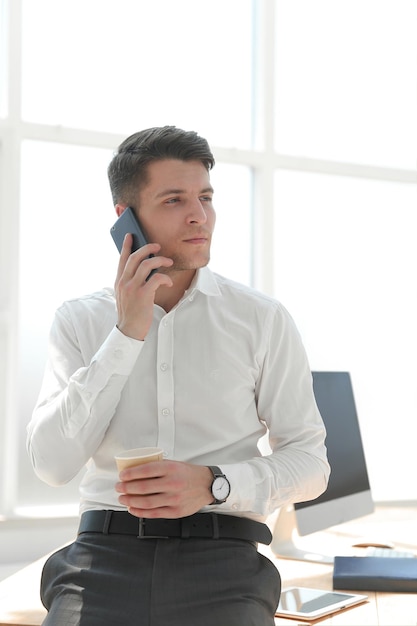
(129, 223)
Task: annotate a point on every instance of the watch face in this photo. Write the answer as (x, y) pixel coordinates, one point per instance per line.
(220, 488)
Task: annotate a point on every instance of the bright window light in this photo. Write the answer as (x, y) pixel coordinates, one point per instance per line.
(345, 268)
(344, 90)
(121, 66)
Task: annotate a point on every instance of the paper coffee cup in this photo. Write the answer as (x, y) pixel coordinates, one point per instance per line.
(137, 456)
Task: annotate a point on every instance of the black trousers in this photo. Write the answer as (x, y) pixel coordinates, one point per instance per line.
(114, 580)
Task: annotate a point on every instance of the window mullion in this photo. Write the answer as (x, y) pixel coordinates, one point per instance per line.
(263, 173)
(10, 139)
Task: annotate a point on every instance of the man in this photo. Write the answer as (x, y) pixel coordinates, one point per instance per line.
(198, 365)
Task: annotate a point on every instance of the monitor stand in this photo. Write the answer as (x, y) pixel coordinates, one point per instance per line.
(283, 544)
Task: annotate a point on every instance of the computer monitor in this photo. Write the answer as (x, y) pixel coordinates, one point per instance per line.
(348, 495)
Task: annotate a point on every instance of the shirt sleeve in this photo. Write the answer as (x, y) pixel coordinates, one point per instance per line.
(297, 469)
(77, 400)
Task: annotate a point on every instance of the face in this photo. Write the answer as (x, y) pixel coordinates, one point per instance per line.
(176, 211)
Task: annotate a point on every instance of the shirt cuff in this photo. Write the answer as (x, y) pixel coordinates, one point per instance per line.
(242, 487)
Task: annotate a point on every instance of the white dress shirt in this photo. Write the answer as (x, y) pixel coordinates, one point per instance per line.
(225, 365)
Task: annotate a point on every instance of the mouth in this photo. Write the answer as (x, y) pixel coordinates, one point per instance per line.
(196, 240)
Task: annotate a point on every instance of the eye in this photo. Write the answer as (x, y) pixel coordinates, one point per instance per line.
(172, 200)
(206, 198)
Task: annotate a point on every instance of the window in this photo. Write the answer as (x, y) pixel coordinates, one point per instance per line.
(117, 67)
(311, 117)
(343, 93)
(345, 201)
(348, 246)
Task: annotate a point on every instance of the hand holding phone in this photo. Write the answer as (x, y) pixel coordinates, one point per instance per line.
(129, 223)
(135, 298)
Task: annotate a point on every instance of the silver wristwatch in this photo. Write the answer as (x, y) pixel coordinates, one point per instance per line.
(220, 487)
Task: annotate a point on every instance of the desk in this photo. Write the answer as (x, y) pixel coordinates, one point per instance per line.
(382, 609)
(20, 603)
(392, 523)
(19, 597)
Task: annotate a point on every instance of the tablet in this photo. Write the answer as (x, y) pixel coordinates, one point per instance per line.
(313, 603)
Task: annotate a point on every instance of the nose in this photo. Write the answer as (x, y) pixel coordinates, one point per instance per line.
(197, 213)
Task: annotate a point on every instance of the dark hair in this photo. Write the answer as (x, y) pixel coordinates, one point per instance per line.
(127, 171)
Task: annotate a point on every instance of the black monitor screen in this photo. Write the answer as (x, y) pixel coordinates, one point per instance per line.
(334, 397)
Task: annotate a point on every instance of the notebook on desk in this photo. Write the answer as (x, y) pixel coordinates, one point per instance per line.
(373, 573)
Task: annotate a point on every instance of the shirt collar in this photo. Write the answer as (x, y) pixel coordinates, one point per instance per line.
(205, 281)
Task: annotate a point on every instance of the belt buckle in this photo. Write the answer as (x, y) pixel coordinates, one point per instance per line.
(142, 535)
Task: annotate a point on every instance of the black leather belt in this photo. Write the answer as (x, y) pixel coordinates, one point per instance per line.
(199, 525)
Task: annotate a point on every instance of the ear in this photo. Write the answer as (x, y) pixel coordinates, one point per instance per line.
(120, 208)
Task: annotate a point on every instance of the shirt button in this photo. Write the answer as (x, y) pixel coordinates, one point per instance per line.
(191, 298)
(165, 412)
(164, 366)
(235, 507)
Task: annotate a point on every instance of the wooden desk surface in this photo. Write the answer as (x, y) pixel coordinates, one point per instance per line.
(20, 602)
(19, 597)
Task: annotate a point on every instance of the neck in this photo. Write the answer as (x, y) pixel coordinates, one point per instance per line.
(168, 297)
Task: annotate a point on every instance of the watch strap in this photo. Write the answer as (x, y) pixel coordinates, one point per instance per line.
(216, 471)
